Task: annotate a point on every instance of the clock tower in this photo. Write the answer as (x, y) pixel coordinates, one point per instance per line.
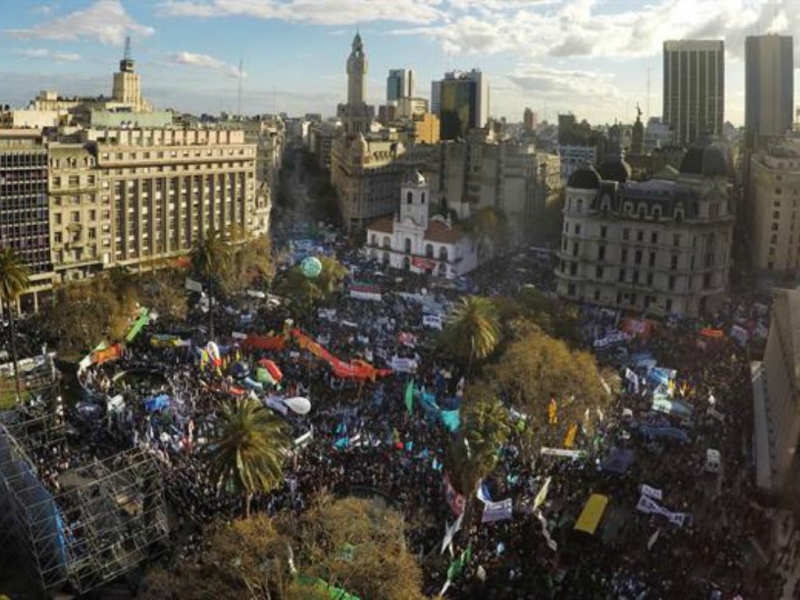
(356, 115)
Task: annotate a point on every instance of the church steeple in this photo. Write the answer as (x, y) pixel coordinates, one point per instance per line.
(356, 73)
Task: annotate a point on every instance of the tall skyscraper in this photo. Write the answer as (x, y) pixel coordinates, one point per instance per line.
(769, 85)
(694, 88)
(399, 84)
(463, 102)
(356, 115)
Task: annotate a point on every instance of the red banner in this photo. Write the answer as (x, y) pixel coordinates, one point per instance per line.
(111, 353)
(426, 264)
(263, 342)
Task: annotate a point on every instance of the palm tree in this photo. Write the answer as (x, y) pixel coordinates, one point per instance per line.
(14, 280)
(211, 256)
(473, 330)
(246, 452)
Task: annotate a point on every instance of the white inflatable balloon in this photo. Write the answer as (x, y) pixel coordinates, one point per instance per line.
(298, 405)
(213, 351)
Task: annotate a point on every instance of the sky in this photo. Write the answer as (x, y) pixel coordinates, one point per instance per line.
(590, 57)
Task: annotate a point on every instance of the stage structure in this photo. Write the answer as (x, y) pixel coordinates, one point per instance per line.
(77, 522)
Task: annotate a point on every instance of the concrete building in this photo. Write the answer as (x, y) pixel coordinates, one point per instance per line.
(694, 89)
(136, 197)
(769, 86)
(416, 242)
(399, 84)
(461, 101)
(529, 121)
(320, 141)
(774, 191)
(410, 107)
(776, 402)
(656, 247)
(486, 171)
(426, 128)
(23, 207)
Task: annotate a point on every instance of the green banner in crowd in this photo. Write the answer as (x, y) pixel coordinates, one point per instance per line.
(144, 319)
(410, 396)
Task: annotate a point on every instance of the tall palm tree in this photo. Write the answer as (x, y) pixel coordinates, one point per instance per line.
(473, 330)
(211, 256)
(14, 280)
(246, 451)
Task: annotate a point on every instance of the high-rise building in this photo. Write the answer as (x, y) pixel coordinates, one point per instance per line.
(399, 84)
(462, 100)
(773, 185)
(23, 205)
(769, 86)
(356, 115)
(529, 120)
(694, 89)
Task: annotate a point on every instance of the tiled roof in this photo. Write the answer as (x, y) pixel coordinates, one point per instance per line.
(384, 225)
(438, 231)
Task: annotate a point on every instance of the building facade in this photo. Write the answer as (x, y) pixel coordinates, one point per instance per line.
(774, 191)
(776, 402)
(399, 84)
(24, 223)
(416, 242)
(658, 247)
(769, 86)
(574, 157)
(694, 89)
(461, 101)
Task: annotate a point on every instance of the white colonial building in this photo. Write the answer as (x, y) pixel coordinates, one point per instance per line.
(413, 241)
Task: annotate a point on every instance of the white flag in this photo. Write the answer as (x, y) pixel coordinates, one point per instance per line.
(651, 542)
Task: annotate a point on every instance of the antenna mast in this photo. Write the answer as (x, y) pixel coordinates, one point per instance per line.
(239, 105)
(127, 55)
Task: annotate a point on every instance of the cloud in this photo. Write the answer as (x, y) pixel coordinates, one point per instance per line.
(103, 20)
(549, 81)
(204, 61)
(318, 12)
(45, 54)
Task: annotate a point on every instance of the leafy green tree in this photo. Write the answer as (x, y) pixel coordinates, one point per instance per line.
(473, 452)
(251, 260)
(304, 293)
(358, 545)
(211, 258)
(247, 449)
(472, 331)
(14, 280)
(87, 312)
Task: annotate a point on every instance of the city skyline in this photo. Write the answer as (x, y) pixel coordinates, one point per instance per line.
(590, 57)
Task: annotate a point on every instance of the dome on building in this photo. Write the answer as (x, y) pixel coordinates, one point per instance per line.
(614, 169)
(414, 178)
(709, 160)
(585, 178)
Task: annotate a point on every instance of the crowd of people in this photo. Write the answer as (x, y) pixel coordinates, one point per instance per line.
(363, 437)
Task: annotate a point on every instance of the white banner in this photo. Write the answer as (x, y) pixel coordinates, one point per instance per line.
(403, 365)
(617, 337)
(651, 492)
(573, 454)
(304, 440)
(650, 506)
(541, 495)
(450, 532)
(193, 286)
(497, 511)
(364, 294)
(432, 321)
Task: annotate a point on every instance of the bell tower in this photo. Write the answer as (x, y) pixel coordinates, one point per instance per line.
(414, 199)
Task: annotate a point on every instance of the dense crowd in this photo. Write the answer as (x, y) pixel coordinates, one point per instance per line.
(399, 455)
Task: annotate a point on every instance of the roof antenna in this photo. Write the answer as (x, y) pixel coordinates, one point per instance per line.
(127, 55)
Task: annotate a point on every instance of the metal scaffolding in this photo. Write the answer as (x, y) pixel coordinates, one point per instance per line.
(80, 525)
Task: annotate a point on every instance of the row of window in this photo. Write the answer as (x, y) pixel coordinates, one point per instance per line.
(149, 155)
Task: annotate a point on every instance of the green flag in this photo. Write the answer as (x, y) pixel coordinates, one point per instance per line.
(410, 396)
(457, 565)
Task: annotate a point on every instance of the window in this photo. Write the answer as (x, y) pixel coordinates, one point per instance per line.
(676, 240)
(58, 218)
(443, 253)
(571, 289)
(668, 305)
(654, 238)
(409, 197)
(601, 253)
(671, 282)
(598, 272)
(76, 217)
(597, 294)
(656, 213)
(626, 234)
(429, 250)
(778, 191)
(642, 211)
(638, 257)
(603, 231)
(573, 269)
(774, 227)
(622, 275)
(673, 262)
(57, 237)
(578, 229)
(423, 198)
(707, 280)
(74, 181)
(387, 242)
(575, 248)
(776, 214)
(652, 261)
(373, 240)
(640, 236)
(773, 238)
(650, 280)
(636, 277)
(624, 255)
(408, 246)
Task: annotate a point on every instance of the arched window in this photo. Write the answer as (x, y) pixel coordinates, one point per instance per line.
(443, 253)
(409, 197)
(423, 197)
(373, 240)
(387, 242)
(642, 211)
(386, 258)
(408, 246)
(580, 205)
(628, 208)
(656, 212)
(429, 250)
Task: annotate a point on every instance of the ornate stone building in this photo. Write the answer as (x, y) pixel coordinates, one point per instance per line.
(655, 247)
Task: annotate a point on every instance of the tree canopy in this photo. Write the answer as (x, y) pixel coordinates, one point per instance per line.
(472, 331)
